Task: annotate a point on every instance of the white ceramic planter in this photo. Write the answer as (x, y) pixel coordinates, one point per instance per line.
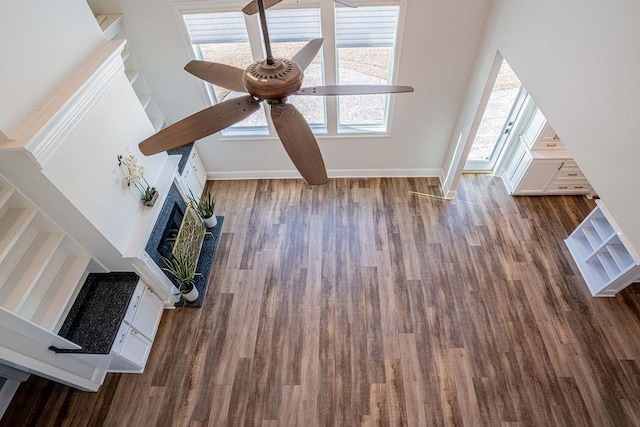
(191, 295)
(210, 222)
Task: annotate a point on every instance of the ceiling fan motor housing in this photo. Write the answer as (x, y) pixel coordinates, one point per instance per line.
(273, 81)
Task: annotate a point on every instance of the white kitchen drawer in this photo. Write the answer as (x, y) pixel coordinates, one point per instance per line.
(569, 173)
(135, 302)
(548, 145)
(571, 187)
(570, 163)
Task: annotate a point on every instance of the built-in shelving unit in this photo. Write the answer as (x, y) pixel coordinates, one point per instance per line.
(112, 27)
(606, 260)
(40, 267)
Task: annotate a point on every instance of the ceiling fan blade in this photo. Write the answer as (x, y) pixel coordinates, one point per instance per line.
(221, 75)
(252, 8)
(346, 3)
(201, 124)
(299, 142)
(352, 90)
(305, 55)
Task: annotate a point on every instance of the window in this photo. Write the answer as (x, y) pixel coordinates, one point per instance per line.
(364, 41)
(222, 37)
(289, 31)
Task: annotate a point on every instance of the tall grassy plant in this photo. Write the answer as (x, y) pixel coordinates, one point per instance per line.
(183, 269)
(204, 206)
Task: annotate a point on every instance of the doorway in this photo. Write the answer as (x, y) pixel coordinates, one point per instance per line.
(504, 105)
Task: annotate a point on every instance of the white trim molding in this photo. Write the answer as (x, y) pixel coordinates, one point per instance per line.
(42, 134)
(332, 173)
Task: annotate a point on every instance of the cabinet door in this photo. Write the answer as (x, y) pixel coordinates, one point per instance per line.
(190, 181)
(148, 315)
(198, 167)
(533, 129)
(540, 173)
(517, 167)
(136, 348)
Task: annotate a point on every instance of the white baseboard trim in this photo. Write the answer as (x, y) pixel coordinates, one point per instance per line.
(332, 173)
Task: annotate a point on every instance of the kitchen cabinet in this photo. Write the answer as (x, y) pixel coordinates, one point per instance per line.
(604, 256)
(133, 342)
(539, 135)
(540, 165)
(194, 175)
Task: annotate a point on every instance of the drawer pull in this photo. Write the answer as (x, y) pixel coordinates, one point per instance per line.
(573, 174)
(579, 186)
(552, 145)
(563, 187)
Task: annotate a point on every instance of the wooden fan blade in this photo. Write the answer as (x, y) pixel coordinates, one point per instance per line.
(221, 75)
(352, 90)
(305, 55)
(299, 142)
(252, 8)
(346, 3)
(201, 124)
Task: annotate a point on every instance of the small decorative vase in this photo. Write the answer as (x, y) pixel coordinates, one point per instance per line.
(152, 202)
(192, 295)
(210, 222)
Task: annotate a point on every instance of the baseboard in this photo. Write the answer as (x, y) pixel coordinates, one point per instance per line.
(332, 173)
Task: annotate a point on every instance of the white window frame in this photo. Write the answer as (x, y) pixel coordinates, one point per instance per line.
(329, 59)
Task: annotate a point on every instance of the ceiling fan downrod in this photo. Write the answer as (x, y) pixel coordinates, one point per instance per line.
(265, 31)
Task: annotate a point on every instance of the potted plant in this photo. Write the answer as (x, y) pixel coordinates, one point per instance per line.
(135, 176)
(204, 206)
(150, 196)
(183, 269)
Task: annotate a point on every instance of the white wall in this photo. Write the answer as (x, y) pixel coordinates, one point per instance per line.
(85, 167)
(42, 43)
(579, 61)
(440, 40)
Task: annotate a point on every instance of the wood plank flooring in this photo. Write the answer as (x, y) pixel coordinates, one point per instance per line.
(362, 303)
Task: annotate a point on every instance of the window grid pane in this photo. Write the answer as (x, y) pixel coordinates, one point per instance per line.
(365, 39)
(222, 38)
(290, 30)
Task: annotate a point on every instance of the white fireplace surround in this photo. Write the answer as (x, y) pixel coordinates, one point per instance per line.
(62, 162)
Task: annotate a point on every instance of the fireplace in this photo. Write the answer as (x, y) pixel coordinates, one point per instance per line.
(171, 228)
(160, 243)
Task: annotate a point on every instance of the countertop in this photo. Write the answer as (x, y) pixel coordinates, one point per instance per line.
(98, 311)
(184, 151)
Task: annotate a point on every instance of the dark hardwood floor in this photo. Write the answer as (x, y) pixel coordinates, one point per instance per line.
(362, 303)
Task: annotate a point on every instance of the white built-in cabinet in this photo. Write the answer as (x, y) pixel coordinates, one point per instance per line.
(606, 259)
(112, 27)
(41, 268)
(541, 165)
(132, 345)
(194, 176)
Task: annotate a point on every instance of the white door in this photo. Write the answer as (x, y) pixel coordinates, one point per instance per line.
(505, 103)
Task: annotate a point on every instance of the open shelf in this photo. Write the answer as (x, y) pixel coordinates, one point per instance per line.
(28, 270)
(606, 261)
(40, 268)
(620, 254)
(602, 227)
(592, 236)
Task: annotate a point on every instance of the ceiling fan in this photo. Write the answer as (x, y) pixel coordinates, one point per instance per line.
(272, 80)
